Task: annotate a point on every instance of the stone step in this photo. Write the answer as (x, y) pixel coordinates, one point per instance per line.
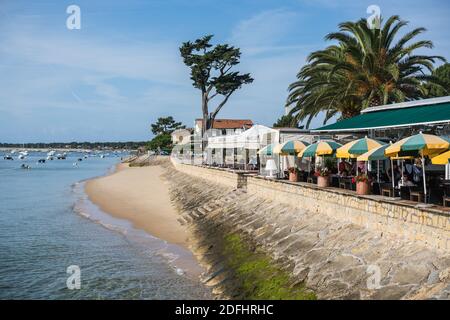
(209, 207)
(194, 214)
(187, 217)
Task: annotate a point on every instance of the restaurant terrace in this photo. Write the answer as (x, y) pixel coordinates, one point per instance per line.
(399, 151)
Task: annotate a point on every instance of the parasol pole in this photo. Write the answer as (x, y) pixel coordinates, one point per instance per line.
(378, 171)
(392, 171)
(424, 182)
(403, 161)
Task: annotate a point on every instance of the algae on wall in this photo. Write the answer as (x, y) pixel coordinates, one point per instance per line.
(258, 276)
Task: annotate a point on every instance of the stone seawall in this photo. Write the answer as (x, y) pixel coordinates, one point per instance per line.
(432, 227)
(429, 226)
(335, 256)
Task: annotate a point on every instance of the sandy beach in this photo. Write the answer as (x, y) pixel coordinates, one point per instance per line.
(139, 195)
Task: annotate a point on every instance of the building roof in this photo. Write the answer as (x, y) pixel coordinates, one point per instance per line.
(228, 123)
(422, 112)
(291, 130)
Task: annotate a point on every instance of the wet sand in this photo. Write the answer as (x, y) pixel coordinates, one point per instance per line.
(139, 195)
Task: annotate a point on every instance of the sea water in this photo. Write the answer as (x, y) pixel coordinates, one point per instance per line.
(47, 225)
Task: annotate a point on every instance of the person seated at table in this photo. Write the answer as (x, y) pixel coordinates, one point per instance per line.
(407, 181)
(343, 173)
(361, 166)
(343, 166)
(417, 170)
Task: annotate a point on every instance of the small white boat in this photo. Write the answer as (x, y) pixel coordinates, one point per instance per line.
(24, 152)
(51, 153)
(13, 151)
(49, 157)
(21, 157)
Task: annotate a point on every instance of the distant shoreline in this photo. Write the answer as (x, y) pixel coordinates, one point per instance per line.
(64, 150)
(46, 149)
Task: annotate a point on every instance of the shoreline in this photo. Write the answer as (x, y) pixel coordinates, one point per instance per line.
(140, 197)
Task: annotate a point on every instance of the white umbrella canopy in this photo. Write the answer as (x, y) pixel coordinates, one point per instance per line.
(249, 139)
(252, 138)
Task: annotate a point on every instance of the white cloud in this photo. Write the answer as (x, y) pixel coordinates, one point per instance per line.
(264, 31)
(157, 62)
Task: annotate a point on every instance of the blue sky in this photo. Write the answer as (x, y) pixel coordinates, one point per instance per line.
(122, 70)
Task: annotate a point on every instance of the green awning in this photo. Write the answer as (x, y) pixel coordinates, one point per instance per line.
(395, 117)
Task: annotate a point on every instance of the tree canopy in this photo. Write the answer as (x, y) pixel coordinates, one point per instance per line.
(162, 142)
(442, 75)
(365, 67)
(166, 125)
(211, 73)
(162, 128)
(287, 121)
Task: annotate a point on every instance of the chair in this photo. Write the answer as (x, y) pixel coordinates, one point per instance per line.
(416, 193)
(445, 199)
(312, 179)
(376, 188)
(342, 183)
(335, 181)
(349, 184)
(387, 190)
(446, 196)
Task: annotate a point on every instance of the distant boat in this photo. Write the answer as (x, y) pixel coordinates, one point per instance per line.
(49, 157)
(41, 161)
(24, 152)
(51, 153)
(13, 151)
(102, 156)
(60, 156)
(8, 157)
(21, 157)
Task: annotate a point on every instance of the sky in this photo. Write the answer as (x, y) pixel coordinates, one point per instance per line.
(113, 77)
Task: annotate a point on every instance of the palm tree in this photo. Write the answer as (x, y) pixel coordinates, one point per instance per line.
(364, 68)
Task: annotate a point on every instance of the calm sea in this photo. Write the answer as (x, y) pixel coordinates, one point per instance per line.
(47, 224)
